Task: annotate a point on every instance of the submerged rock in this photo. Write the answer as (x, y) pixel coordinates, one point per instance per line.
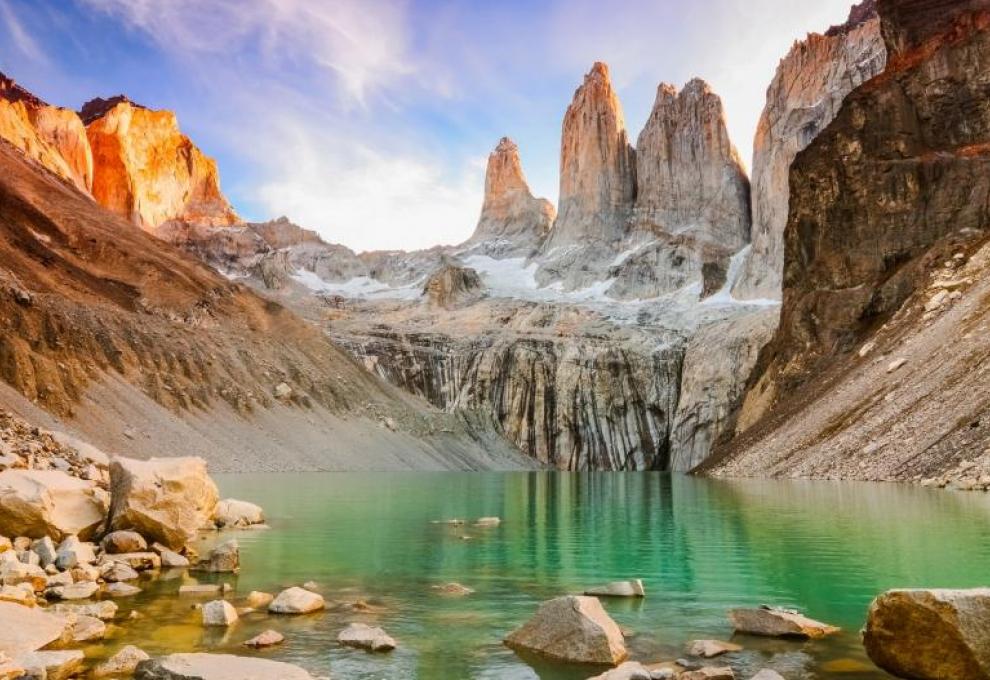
(630, 670)
(363, 636)
(296, 601)
(708, 649)
(631, 588)
(931, 634)
(773, 622)
(259, 600)
(51, 665)
(268, 638)
(767, 674)
(708, 673)
(165, 499)
(573, 629)
(453, 589)
(217, 667)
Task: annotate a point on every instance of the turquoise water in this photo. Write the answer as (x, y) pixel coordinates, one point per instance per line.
(700, 546)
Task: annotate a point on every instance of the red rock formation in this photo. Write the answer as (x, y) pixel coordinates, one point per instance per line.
(689, 176)
(149, 172)
(805, 95)
(597, 166)
(512, 220)
(53, 136)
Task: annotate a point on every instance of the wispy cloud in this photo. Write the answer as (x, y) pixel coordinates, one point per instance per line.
(20, 37)
(362, 43)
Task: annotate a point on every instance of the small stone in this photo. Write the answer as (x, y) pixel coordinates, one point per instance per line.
(51, 665)
(105, 610)
(14, 573)
(21, 594)
(122, 663)
(225, 558)
(708, 649)
(231, 512)
(141, 561)
(775, 622)
(118, 571)
(219, 613)
(76, 591)
(488, 522)
(87, 629)
(363, 636)
(709, 673)
(45, 549)
(770, 674)
(269, 638)
(201, 589)
(72, 552)
(296, 601)
(896, 364)
(283, 391)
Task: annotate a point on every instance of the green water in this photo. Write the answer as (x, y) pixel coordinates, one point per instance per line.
(700, 546)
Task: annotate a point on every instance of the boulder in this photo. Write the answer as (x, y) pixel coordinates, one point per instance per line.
(104, 610)
(930, 634)
(269, 638)
(15, 573)
(259, 600)
(219, 613)
(23, 629)
(225, 558)
(572, 629)
(86, 629)
(234, 513)
(141, 561)
(164, 499)
(51, 665)
(44, 548)
(708, 649)
(117, 542)
(775, 622)
(39, 503)
(75, 591)
(632, 588)
(113, 572)
(21, 594)
(122, 663)
(217, 667)
(296, 601)
(363, 636)
(73, 552)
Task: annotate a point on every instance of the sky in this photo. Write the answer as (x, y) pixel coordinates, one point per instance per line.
(370, 121)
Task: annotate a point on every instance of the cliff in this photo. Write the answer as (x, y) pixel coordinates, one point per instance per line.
(885, 269)
(513, 221)
(147, 171)
(804, 97)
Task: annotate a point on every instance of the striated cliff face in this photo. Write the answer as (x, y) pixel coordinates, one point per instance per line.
(597, 166)
(147, 171)
(884, 255)
(53, 136)
(804, 97)
(689, 176)
(513, 222)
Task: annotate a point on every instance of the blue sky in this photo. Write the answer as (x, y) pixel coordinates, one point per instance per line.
(370, 120)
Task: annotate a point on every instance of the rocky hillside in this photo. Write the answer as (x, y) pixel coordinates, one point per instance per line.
(806, 93)
(139, 347)
(877, 369)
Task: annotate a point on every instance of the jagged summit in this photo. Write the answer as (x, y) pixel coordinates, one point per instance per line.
(12, 92)
(99, 107)
(858, 15)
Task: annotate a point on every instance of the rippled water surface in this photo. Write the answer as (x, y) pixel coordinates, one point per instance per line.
(700, 546)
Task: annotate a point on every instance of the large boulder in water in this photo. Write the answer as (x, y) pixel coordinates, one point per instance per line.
(38, 503)
(217, 667)
(164, 499)
(574, 629)
(931, 634)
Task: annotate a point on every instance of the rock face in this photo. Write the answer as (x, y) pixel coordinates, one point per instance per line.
(879, 198)
(164, 499)
(930, 634)
(689, 176)
(147, 171)
(513, 222)
(597, 166)
(53, 136)
(717, 363)
(572, 629)
(452, 286)
(38, 503)
(806, 93)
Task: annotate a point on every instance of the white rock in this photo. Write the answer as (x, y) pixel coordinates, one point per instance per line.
(631, 588)
(122, 663)
(296, 601)
(234, 513)
(367, 637)
(49, 503)
(217, 667)
(219, 613)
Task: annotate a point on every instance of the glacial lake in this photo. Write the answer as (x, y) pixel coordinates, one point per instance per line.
(700, 546)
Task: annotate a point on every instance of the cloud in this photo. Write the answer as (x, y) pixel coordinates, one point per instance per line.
(353, 194)
(20, 37)
(363, 44)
